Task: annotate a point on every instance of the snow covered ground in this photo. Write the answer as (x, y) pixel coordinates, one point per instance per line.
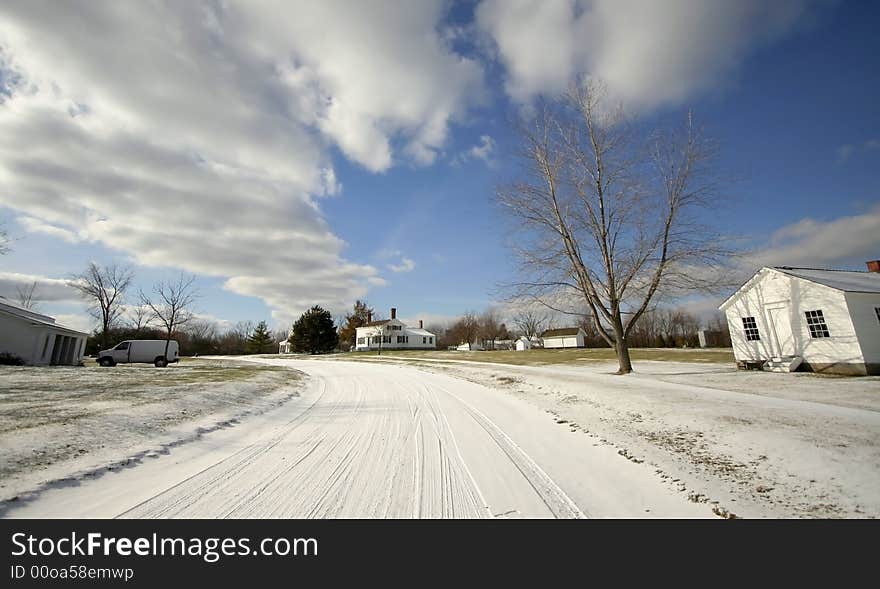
(389, 437)
(377, 440)
(752, 444)
(66, 423)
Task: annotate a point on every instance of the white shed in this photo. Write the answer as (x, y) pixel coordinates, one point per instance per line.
(823, 320)
(523, 344)
(37, 339)
(566, 337)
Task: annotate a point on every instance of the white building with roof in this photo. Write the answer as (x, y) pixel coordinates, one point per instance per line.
(393, 334)
(564, 337)
(36, 338)
(821, 320)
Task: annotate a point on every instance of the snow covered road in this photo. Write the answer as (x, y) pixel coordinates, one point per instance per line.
(377, 441)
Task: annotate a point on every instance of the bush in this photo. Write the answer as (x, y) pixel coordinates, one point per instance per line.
(7, 359)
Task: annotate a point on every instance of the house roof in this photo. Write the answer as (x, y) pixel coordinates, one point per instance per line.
(418, 331)
(10, 308)
(845, 280)
(563, 331)
(376, 323)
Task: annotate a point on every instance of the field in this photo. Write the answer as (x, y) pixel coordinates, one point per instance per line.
(541, 357)
(60, 420)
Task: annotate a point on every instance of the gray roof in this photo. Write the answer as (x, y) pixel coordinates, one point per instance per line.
(561, 332)
(845, 280)
(10, 308)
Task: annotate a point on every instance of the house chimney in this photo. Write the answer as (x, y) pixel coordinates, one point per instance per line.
(393, 313)
(420, 324)
(369, 316)
(873, 266)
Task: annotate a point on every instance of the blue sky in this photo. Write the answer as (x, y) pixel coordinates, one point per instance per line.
(242, 145)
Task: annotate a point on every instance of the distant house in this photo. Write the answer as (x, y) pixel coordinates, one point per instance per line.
(470, 347)
(284, 346)
(393, 334)
(565, 337)
(822, 320)
(37, 339)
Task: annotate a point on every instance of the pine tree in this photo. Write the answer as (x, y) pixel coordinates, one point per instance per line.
(314, 332)
(261, 340)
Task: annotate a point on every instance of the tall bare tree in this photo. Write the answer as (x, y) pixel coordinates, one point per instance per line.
(26, 295)
(103, 287)
(491, 326)
(467, 328)
(139, 318)
(171, 304)
(530, 322)
(609, 214)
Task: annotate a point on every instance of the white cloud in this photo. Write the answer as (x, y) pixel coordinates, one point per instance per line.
(649, 53)
(32, 225)
(195, 134)
(481, 151)
(47, 290)
(405, 265)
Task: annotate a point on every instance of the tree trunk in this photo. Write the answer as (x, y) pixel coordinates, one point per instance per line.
(621, 346)
(167, 342)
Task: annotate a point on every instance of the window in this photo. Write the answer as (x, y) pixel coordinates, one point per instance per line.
(751, 329)
(122, 346)
(817, 325)
(402, 339)
(430, 340)
(424, 340)
(360, 340)
(877, 310)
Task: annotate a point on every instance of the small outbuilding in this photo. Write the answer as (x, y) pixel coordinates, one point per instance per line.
(36, 339)
(820, 320)
(565, 337)
(523, 344)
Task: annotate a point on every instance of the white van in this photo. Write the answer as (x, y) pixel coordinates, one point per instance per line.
(150, 351)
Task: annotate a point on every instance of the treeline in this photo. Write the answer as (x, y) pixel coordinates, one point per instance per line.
(657, 328)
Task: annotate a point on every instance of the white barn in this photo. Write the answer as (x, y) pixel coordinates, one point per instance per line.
(393, 334)
(37, 339)
(822, 320)
(565, 337)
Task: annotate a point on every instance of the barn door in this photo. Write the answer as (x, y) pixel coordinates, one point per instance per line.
(780, 331)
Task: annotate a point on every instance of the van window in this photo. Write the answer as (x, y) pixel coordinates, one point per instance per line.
(122, 346)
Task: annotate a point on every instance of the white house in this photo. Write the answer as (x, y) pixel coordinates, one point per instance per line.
(37, 339)
(566, 337)
(393, 334)
(284, 346)
(824, 320)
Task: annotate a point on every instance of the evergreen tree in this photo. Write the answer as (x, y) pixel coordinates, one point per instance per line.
(356, 318)
(314, 332)
(261, 340)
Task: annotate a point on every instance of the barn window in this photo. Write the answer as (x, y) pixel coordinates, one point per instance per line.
(751, 329)
(816, 323)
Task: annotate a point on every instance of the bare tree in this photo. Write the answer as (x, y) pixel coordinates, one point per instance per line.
(104, 288)
(466, 329)
(606, 220)
(26, 295)
(491, 327)
(171, 304)
(139, 318)
(530, 322)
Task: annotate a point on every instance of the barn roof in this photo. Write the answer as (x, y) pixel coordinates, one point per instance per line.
(845, 280)
(563, 331)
